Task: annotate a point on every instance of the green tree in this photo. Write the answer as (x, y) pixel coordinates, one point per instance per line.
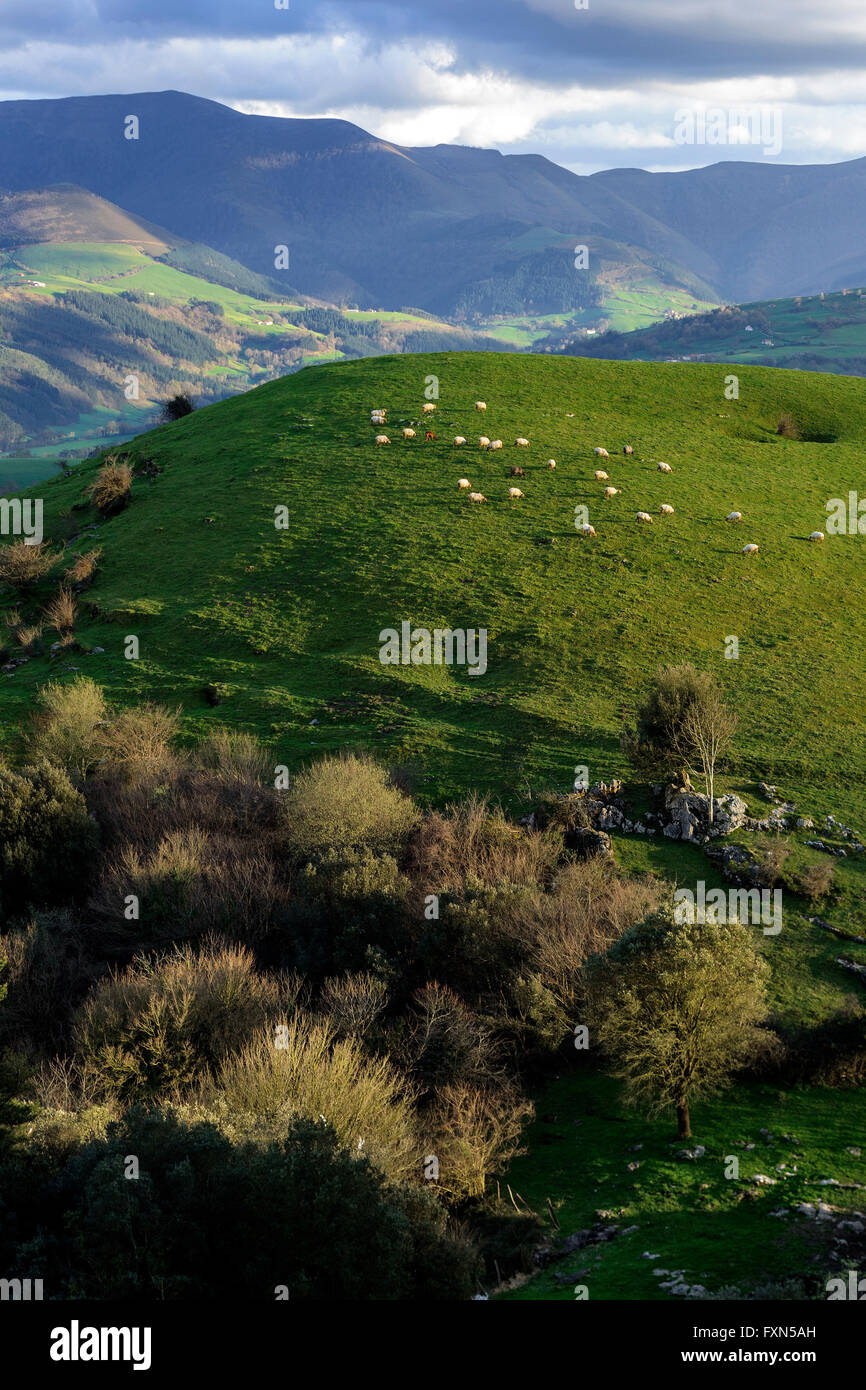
(676, 1006)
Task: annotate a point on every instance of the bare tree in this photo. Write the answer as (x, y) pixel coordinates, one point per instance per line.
(706, 733)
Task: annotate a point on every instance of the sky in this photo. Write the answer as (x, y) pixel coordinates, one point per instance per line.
(615, 83)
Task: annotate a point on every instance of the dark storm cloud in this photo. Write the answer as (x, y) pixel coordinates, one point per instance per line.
(612, 41)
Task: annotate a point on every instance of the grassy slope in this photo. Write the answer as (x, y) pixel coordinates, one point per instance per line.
(829, 332)
(575, 628)
(290, 621)
(716, 1230)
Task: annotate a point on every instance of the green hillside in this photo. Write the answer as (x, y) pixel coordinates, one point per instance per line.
(77, 317)
(820, 333)
(289, 620)
(283, 625)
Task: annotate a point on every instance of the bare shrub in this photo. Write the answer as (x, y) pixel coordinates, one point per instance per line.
(23, 565)
(68, 724)
(447, 1043)
(110, 490)
(188, 883)
(771, 858)
(313, 1074)
(351, 1004)
(30, 638)
(786, 426)
(84, 567)
(61, 612)
(816, 881)
(137, 742)
(476, 1132)
(161, 1026)
(473, 840)
(589, 907)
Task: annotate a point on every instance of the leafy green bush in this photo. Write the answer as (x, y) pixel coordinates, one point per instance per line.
(343, 803)
(68, 724)
(206, 1219)
(47, 839)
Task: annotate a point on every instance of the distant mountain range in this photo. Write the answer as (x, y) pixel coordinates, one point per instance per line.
(454, 230)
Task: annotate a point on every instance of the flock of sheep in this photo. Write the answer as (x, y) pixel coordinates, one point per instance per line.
(378, 417)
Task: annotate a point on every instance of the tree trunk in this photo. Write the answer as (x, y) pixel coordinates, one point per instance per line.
(684, 1127)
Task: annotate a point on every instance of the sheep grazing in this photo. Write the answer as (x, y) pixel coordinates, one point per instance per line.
(515, 492)
(664, 468)
(611, 491)
(734, 516)
(601, 476)
(666, 509)
(458, 439)
(382, 439)
(515, 472)
(750, 550)
(428, 408)
(521, 442)
(408, 434)
(601, 453)
(627, 449)
(484, 442)
(644, 516)
(551, 463)
(817, 536)
(480, 405)
(496, 443)
(463, 484)
(586, 530)
(477, 497)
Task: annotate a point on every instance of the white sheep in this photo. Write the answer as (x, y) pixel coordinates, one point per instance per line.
(551, 463)
(611, 491)
(664, 468)
(463, 483)
(477, 497)
(484, 442)
(666, 509)
(644, 516)
(601, 453)
(480, 405)
(515, 492)
(521, 442)
(627, 449)
(586, 530)
(600, 476)
(817, 536)
(408, 434)
(458, 439)
(496, 443)
(382, 439)
(734, 516)
(428, 408)
(750, 550)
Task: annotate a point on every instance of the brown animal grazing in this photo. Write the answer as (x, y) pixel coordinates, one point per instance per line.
(517, 472)
(429, 435)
